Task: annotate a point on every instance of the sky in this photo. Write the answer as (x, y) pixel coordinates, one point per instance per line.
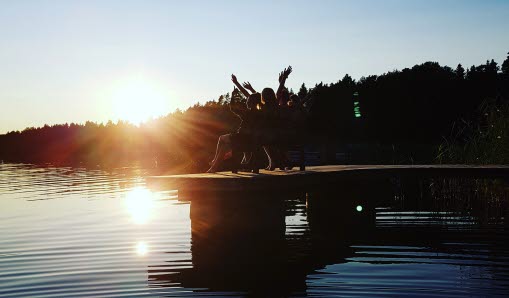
(73, 61)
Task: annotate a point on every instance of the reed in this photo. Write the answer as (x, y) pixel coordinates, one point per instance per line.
(484, 142)
(483, 201)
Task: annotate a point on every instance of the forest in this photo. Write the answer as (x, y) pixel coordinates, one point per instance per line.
(424, 114)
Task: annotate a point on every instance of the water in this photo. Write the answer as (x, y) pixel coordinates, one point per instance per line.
(80, 233)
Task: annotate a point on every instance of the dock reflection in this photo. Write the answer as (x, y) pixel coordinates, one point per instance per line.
(239, 242)
(276, 244)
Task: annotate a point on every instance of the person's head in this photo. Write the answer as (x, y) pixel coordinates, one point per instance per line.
(294, 100)
(253, 100)
(285, 97)
(269, 97)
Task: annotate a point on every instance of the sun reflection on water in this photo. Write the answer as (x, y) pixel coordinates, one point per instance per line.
(141, 248)
(140, 204)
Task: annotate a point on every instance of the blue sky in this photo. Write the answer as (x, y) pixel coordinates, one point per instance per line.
(72, 61)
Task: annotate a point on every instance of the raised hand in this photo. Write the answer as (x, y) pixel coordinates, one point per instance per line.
(288, 71)
(234, 79)
(248, 86)
(241, 89)
(282, 79)
(284, 74)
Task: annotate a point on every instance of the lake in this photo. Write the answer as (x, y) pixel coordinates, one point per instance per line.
(70, 232)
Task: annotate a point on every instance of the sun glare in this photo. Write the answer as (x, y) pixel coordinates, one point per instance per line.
(137, 100)
(140, 203)
(141, 248)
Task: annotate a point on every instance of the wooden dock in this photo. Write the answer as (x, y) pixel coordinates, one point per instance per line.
(317, 176)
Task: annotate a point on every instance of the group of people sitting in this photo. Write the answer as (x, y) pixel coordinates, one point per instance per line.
(269, 120)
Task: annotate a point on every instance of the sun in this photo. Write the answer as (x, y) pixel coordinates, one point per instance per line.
(137, 100)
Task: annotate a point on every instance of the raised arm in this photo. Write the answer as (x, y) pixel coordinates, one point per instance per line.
(236, 82)
(282, 79)
(248, 86)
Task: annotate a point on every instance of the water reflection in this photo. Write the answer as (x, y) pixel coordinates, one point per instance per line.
(141, 248)
(329, 242)
(140, 203)
(245, 244)
(78, 233)
(237, 245)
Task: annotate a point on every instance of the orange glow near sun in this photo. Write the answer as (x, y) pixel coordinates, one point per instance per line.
(137, 100)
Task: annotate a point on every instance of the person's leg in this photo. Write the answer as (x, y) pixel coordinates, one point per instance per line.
(270, 156)
(223, 146)
(219, 145)
(276, 157)
(247, 157)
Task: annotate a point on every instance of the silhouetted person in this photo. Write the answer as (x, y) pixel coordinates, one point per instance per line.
(247, 134)
(291, 129)
(269, 126)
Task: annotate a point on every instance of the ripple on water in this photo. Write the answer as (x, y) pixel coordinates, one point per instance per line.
(69, 232)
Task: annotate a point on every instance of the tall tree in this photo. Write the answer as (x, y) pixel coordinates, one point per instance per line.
(492, 66)
(460, 71)
(505, 65)
(303, 91)
(347, 80)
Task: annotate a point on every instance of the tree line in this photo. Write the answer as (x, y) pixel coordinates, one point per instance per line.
(408, 112)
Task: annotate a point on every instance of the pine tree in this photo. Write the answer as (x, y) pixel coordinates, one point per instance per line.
(505, 66)
(471, 73)
(460, 71)
(491, 66)
(303, 91)
(347, 80)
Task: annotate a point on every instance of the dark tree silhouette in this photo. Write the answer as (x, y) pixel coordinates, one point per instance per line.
(303, 91)
(505, 65)
(460, 71)
(400, 116)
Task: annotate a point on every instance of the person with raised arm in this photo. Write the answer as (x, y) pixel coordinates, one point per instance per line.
(282, 93)
(281, 90)
(279, 123)
(268, 124)
(239, 86)
(247, 132)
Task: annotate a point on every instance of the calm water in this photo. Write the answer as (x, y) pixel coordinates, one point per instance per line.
(80, 233)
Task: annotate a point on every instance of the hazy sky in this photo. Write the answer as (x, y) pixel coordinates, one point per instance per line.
(72, 61)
